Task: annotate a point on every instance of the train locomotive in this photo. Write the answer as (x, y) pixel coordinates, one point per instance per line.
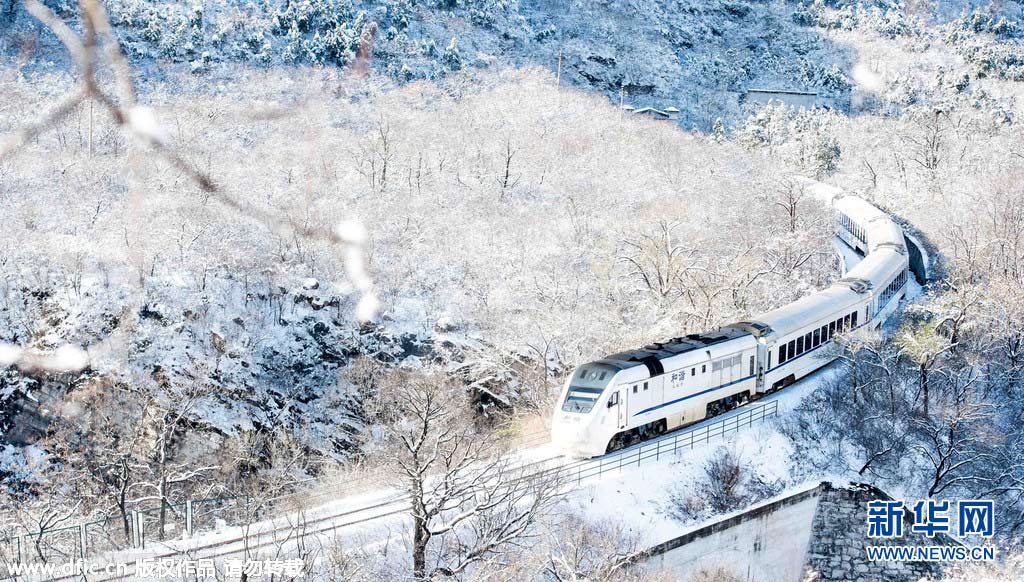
(639, 394)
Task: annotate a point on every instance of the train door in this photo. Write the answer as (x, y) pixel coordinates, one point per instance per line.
(760, 364)
(618, 401)
(636, 403)
(628, 402)
(623, 413)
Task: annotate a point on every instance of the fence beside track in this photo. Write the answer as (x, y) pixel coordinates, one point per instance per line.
(579, 471)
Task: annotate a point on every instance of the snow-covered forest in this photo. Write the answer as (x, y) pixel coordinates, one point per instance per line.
(310, 228)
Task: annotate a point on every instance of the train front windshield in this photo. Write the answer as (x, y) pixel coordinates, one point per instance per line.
(587, 384)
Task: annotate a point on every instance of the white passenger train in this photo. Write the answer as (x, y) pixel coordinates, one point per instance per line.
(634, 395)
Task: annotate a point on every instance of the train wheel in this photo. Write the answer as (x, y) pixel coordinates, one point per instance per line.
(787, 381)
(652, 429)
(614, 444)
(717, 407)
(623, 440)
(662, 427)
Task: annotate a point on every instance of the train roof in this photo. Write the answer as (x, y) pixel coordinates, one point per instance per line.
(878, 226)
(672, 347)
(803, 312)
(879, 267)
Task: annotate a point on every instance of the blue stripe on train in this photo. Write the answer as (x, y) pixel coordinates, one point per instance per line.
(646, 410)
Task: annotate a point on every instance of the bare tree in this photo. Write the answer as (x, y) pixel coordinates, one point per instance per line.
(162, 474)
(1002, 317)
(922, 343)
(40, 518)
(506, 180)
(950, 440)
(860, 414)
(926, 142)
(468, 503)
(263, 471)
(97, 449)
(578, 550)
(787, 196)
(376, 154)
(659, 260)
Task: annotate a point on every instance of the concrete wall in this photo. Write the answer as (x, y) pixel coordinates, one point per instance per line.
(767, 544)
(816, 535)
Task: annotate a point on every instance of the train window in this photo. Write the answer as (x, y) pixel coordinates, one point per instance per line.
(823, 332)
(846, 323)
(703, 368)
(634, 388)
(693, 371)
(602, 375)
(816, 339)
(645, 385)
(769, 359)
(782, 353)
(807, 342)
(854, 320)
(799, 345)
(751, 365)
(791, 350)
(831, 329)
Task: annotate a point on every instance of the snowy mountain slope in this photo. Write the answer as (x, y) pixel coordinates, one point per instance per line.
(699, 56)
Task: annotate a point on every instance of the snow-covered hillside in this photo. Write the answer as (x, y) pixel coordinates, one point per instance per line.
(506, 241)
(698, 56)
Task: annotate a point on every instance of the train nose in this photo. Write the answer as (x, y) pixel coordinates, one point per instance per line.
(570, 434)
